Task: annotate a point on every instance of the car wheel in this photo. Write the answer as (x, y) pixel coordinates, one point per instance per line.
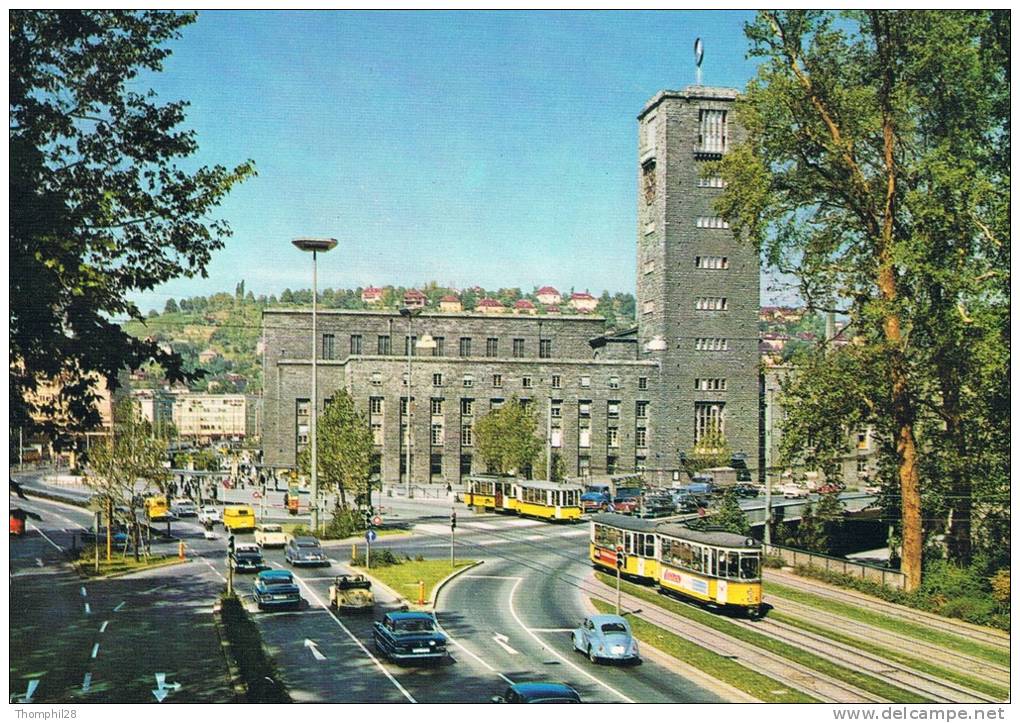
(592, 657)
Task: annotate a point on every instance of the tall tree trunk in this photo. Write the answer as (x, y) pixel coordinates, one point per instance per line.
(960, 489)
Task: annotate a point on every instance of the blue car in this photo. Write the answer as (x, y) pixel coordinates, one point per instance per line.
(276, 588)
(538, 693)
(409, 636)
(606, 637)
(594, 502)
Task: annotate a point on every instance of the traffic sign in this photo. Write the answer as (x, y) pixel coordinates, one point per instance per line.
(377, 520)
(257, 495)
(370, 535)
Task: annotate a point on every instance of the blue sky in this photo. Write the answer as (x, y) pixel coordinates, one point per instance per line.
(491, 148)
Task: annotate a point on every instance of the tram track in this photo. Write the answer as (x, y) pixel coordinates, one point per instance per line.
(959, 628)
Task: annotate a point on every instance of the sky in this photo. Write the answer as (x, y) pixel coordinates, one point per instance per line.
(495, 148)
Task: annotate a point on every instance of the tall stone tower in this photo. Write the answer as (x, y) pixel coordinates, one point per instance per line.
(697, 285)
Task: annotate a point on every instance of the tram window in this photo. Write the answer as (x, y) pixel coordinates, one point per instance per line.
(728, 564)
(606, 536)
(630, 543)
(649, 545)
(749, 566)
(710, 560)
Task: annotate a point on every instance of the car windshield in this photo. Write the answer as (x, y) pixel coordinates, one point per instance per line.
(415, 625)
(614, 628)
(310, 543)
(272, 528)
(277, 581)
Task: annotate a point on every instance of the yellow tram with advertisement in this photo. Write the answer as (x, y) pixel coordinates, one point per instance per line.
(549, 500)
(720, 569)
(492, 492)
(636, 536)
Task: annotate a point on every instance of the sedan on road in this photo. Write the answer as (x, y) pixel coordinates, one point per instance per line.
(247, 558)
(304, 551)
(276, 588)
(605, 637)
(409, 636)
(209, 516)
(183, 507)
(538, 693)
(270, 536)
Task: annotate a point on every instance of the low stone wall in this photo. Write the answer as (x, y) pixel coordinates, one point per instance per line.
(793, 557)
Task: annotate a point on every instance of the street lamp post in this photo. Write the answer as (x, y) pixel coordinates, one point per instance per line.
(658, 344)
(410, 314)
(315, 245)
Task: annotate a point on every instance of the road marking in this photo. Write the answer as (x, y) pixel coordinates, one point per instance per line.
(72, 523)
(524, 523)
(501, 641)
(95, 650)
(575, 533)
(39, 562)
(158, 587)
(83, 593)
(538, 640)
(88, 609)
(46, 538)
(310, 644)
(481, 525)
(552, 630)
(217, 572)
(351, 635)
(102, 628)
(86, 683)
(117, 609)
(485, 665)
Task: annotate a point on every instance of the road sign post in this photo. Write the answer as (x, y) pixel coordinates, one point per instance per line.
(230, 566)
(370, 536)
(96, 528)
(453, 537)
(619, 569)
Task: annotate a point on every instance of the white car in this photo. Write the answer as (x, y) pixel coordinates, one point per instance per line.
(209, 516)
(270, 536)
(183, 507)
(793, 491)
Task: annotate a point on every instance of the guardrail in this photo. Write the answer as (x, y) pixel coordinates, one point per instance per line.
(793, 557)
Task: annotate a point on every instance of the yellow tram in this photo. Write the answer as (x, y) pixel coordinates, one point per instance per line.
(549, 500)
(721, 569)
(492, 492)
(639, 541)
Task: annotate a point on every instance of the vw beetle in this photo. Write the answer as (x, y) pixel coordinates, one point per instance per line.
(351, 592)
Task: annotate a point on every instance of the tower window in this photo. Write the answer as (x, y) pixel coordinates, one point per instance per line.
(648, 182)
(711, 262)
(712, 131)
(709, 420)
(711, 303)
(711, 222)
(545, 349)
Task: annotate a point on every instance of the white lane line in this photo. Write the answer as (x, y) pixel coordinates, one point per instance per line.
(524, 523)
(456, 642)
(351, 635)
(217, 572)
(83, 592)
(86, 683)
(88, 609)
(95, 650)
(158, 587)
(102, 628)
(538, 640)
(70, 522)
(47, 538)
(117, 609)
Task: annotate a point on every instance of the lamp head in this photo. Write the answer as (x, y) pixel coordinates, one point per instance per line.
(315, 244)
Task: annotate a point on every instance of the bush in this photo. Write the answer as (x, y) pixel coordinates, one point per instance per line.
(1000, 587)
(344, 523)
(257, 670)
(380, 558)
(772, 561)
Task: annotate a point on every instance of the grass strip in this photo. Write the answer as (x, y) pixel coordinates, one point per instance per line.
(978, 684)
(403, 577)
(817, 663)
(257, 670)
(896, 625)
(742, 678)
(86, 565)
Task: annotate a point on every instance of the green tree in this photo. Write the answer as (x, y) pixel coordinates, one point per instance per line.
(100, 203)
(344, 451)
(712, 450)
(559, 468)
(811, 531)
(507, 439)
(171, 307)
(829, 512)
(873, 172)
(128, 465)
(729, 516)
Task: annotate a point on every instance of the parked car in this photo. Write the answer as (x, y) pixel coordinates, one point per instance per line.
(792, 490)
(605, 637)
(594, 501)
(183, 507)
(351, 592)
(276, 588)
(683, 500)
(657, 505)
(829, 488)
(304, 551)
(701, 487)
(538, 693)
(745, 490)
(270, 536)
(409, 636)
(120, 534)
(209, 516)
(247, 557)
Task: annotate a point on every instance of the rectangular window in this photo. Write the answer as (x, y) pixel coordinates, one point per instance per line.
(862, 439)
(545, 349)
(711, 182)
(584, 408)
(642, 383)
(641, 409)
(711, 344)
(437, 434)
(377, 434)
(614, 382)
(584, 438)
(612, 437)
(711, 222)
(356, 347)
(584, 466)
(495, 403)
(375, 405)
(555, 381)
(465, 465)
(492, 347)
(437, 405)
(640, 437)
(711, 303)
(467, 407)
(611, 463)
(302, 414)
(403, 379)
(383, 346)
(712, 384)
(410, 345)
(440, 348)
(613, 410)
(649, 266)
(403, 405)
(436, 467)
(556, 439)
(709, 419)
(465, 346)
(712, 131)
(556, 410)
(328, 346)
(469, 381)
(437, 380)
(714, 263)
(585, 381)
(648, 181)
(466, 436)
(862, 467)
(497, 380)
(526, 382)
(518, 348)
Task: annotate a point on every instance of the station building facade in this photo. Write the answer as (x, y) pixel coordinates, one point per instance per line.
(615, 402)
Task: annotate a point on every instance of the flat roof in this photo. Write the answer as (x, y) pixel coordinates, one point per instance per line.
(625, 522)
(714, 537)
(546, 485)
(560, 317)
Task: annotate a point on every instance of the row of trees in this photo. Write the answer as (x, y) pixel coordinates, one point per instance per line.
(875, 173)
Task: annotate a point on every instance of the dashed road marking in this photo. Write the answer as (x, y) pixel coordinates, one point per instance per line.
(88, 609)
(95, 650)
(86, 683)
(102, 628)
(117, 609)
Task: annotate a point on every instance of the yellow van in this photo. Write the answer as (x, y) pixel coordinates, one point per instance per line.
(240, 518)
(156, 509)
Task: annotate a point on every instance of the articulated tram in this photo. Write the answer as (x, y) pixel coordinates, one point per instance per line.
(493, 492)
(528, 498)
(720, 569)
